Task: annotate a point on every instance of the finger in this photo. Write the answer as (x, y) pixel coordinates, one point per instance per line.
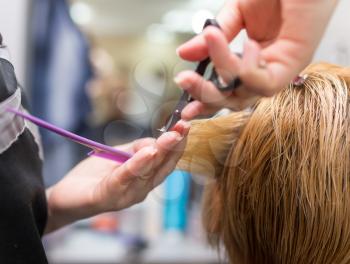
(250, 68)
(171, 161)
(268, 80)
(242, 99)
(141, 143)
(193, 50)
(201, 89)
(229, 19)
(167, 153)
(293, 50)
(286, 59)
(165, 170)
(170, 158)
(153, 155)
(125, 147)
(164, 144)
(136, 166)
(192, 110)
(197, 108)
(168, 142)
(180, 131)
(226, 63)
(136, 145)
(182, 127)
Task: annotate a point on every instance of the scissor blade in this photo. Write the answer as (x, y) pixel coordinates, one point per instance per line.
(184, 100)
(176, 115)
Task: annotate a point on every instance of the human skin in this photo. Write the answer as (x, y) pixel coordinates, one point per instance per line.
(97, 185)
(283, 35)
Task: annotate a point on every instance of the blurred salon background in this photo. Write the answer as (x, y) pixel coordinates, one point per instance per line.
(104, 69)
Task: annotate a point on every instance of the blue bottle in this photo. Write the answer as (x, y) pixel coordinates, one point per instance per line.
(177, 189)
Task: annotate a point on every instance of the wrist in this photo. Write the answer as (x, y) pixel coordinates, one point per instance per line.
(65, 209)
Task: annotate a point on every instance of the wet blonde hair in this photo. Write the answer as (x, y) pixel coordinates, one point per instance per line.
(280, 192)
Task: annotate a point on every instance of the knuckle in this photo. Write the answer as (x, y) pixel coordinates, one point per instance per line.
(267, 92)
(270, 89)
(140, 198)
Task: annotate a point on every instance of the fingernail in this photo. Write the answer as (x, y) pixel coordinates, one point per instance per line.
(252, 57)
(179, 81)
(177, 136)
(178, 51)
(186, 128)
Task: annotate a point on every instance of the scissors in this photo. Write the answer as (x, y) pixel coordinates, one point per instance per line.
(201, 70)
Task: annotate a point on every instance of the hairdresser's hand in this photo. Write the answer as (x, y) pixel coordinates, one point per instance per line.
(283, 37)
(97, 185)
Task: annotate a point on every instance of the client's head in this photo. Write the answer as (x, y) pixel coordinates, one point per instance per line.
(281, 174)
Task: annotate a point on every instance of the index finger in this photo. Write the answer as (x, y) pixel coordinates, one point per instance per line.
(231, 22)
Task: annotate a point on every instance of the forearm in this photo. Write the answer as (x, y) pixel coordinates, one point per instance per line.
(59, 216)
(50, 224)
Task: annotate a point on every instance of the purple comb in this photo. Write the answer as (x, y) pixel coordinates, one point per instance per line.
(98, 149)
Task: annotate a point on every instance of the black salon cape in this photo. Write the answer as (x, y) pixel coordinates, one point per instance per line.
(23, 210)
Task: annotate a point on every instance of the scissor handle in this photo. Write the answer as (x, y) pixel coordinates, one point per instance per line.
(214, 78)
(211, 22)
(233, 85)
(202, 66)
